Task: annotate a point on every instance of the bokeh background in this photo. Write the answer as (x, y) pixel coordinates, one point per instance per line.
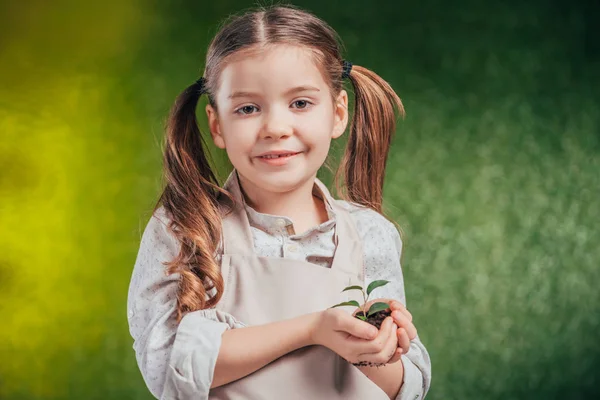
(494, 176)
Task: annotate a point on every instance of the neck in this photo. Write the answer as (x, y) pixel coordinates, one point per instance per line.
(299, 204)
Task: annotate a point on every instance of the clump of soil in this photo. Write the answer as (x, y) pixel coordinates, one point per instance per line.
(375, 319)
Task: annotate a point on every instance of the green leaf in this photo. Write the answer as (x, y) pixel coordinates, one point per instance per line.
(347, 303)
(376, 284)
(361, 317)
(377, 307)
(352, 288)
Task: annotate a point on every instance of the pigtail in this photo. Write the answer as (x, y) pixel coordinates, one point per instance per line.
(371, 130)
(190, 200)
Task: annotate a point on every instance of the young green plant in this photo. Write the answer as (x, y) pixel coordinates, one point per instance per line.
(375, 307)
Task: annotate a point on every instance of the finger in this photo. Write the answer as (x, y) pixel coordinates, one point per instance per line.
(376, 345)
(389, 349)
(381, 300)
(395, 304)
(391, 346)
(403, 340)
(357, 327)
(399, 307)
(402, 321)
(397, 355)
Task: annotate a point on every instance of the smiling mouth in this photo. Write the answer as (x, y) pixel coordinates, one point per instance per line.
(271, 156)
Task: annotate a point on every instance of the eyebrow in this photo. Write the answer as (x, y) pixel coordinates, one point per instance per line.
(297, 89)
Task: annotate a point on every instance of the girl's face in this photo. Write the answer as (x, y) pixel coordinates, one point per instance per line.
(276, 103)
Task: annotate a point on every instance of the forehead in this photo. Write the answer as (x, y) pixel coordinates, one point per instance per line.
(270, 69)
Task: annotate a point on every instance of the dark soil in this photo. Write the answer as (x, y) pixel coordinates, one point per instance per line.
(376, 320)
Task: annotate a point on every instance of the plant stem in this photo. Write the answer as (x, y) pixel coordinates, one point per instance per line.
(364, 304)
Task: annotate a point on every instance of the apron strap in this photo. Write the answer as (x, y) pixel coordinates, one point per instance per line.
(348, 255)
(236, 234)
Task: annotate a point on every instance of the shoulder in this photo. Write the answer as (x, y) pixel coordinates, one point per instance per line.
(160, 218)
(157, 237)
(371, 225)
(149, 277)
(382, 249)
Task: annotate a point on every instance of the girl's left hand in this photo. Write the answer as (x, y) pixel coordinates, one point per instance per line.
(403, 319)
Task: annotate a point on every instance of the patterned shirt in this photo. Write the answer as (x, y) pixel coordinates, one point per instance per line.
(177, 359)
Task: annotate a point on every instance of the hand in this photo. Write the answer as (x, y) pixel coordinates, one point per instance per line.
(354, 340)
(405, 332)
(406, 329)
(385, 350)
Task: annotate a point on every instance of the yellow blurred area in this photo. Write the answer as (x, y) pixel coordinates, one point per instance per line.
(52, 94)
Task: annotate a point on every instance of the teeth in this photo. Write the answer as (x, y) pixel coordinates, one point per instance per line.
(276, 156)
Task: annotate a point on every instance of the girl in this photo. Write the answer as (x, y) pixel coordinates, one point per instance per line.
(232, 289)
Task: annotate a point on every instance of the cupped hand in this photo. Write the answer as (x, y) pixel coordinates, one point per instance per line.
(402, 318)
(353, 339)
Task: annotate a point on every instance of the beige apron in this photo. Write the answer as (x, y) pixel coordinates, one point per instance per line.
(260, 290)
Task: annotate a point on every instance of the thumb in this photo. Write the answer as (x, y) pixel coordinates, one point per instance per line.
(358, 328)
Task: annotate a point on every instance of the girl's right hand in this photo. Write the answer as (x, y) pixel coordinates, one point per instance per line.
(354, 340)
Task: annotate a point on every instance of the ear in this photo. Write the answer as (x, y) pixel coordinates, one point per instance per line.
(340, 109)
(215, 128)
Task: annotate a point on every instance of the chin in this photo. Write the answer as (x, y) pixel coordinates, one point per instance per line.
(277, 182)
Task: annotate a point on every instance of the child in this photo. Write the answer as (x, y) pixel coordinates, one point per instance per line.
(232, 289)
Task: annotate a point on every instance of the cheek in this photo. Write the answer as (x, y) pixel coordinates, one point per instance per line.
(238, 136)
(318, 130)
(320, 119)
(237, 145)
(318, 141)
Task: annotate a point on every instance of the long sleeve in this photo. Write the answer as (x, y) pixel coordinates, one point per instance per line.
(383, 249)
(176, 360)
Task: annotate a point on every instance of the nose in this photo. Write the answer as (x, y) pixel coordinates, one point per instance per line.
(277, 124)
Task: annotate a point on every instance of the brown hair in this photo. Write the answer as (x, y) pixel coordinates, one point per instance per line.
(191, 195)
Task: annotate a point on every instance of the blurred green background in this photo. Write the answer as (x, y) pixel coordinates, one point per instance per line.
(494, 177)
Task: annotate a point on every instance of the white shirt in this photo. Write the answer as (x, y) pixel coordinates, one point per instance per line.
(180, 358)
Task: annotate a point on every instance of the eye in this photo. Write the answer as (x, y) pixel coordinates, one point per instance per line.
(246, 110)
(301, 104)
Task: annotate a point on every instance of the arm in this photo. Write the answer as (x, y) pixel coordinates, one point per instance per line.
(417, 372)
(186, 360)
(411, 377)
(180, 360)
(388, 377)
(400, 384)
(416, 379)
(246, 350)
(166, 351)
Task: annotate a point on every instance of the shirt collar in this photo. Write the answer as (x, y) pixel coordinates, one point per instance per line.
(279, 224)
